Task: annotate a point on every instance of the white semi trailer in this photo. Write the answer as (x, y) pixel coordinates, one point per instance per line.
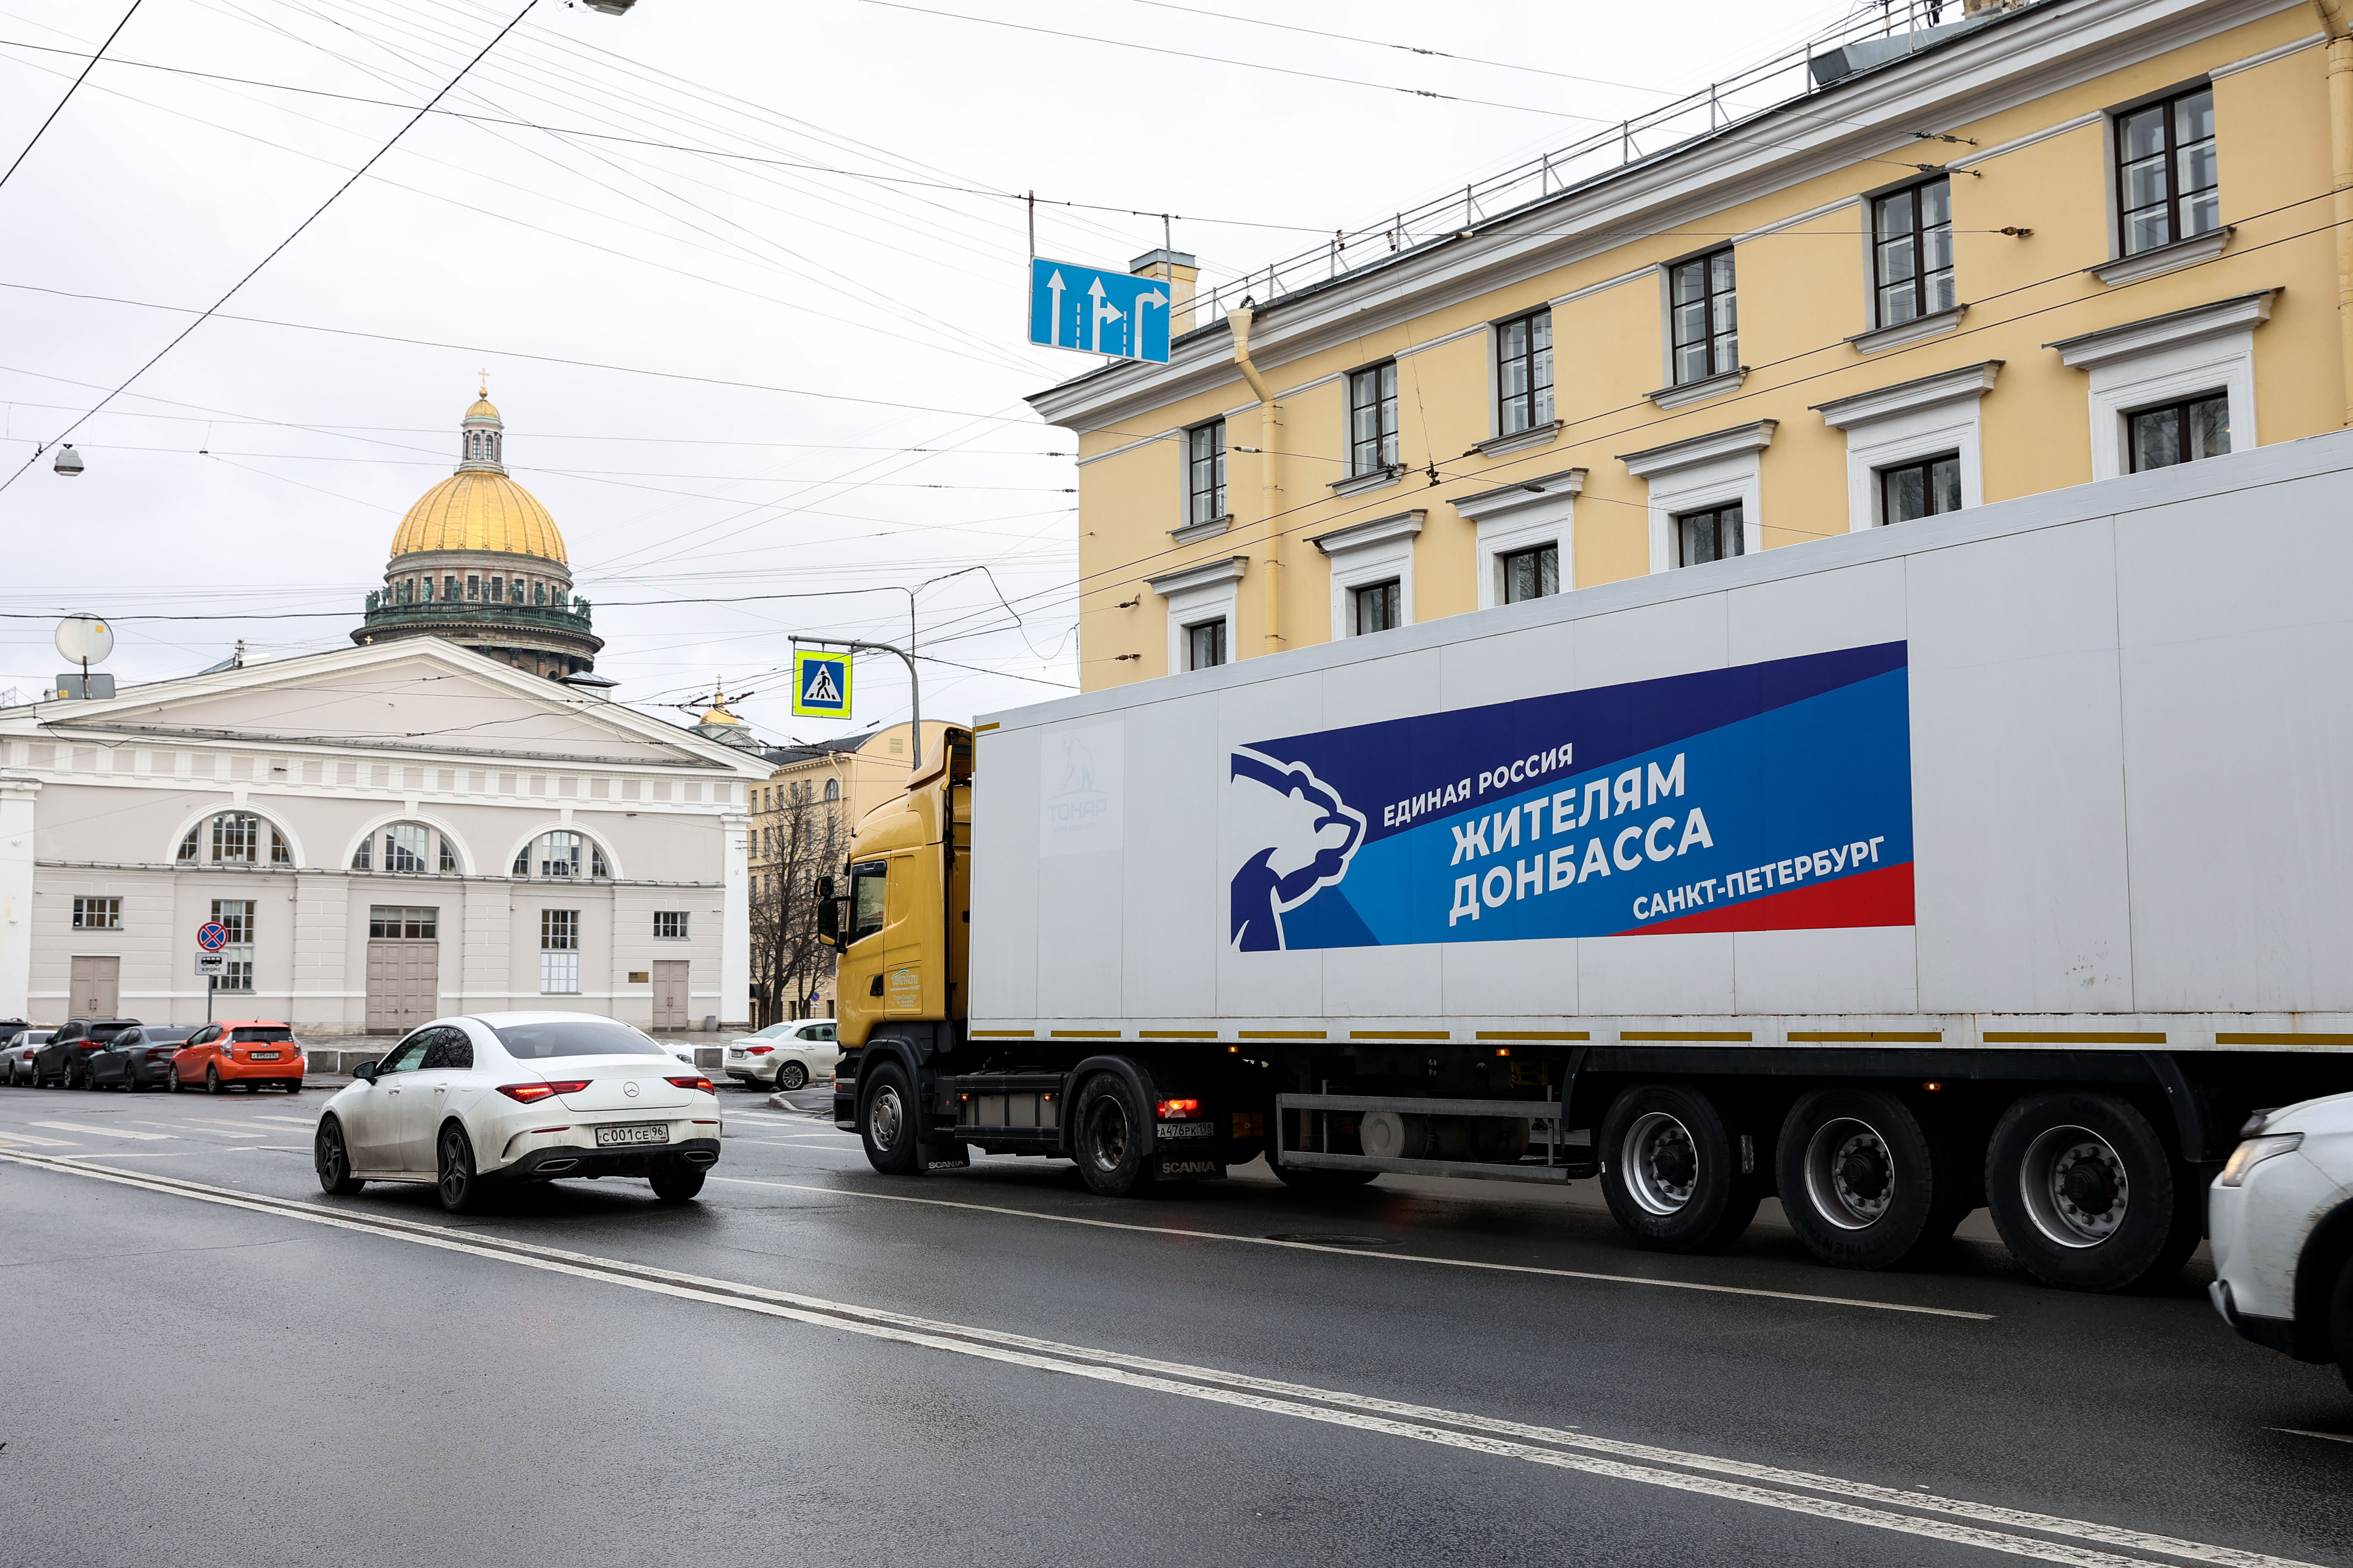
(2000, 858)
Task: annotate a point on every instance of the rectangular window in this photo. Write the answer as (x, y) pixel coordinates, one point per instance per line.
(1911, 252)
(2166, 177)
(1373, 419)
(1532, 573)
(98, 914)
(1524, 374)
(400, 920)
(236, 915)
(1711, 535)
(559, 953)
(670, 925)
(1706, 322)
(1205, 472)
(868, 883)
(1205, 645)
(1924, 489)
(1377, 605)
(473, 587)
(2180, 432)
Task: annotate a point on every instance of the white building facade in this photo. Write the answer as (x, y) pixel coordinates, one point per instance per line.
(386, 834)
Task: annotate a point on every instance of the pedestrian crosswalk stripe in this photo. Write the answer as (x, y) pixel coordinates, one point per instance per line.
(105, 1131)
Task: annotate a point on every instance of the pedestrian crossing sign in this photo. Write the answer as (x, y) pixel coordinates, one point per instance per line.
(820, 684)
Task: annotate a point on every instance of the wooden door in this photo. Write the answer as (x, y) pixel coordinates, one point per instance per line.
(97, 985)
(671, 1002)
(404, 984)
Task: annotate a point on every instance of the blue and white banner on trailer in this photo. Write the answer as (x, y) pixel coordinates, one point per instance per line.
(1098, 312)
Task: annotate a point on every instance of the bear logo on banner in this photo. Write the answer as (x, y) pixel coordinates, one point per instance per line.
(1301, 837)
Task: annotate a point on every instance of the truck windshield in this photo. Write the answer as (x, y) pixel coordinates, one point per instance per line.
(866, 903)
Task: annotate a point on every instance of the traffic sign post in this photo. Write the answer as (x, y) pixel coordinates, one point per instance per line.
(820, 684)
(211, 963)
(212, 936)
(1094, 310)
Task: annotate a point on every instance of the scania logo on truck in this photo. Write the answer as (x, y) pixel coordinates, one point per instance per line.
(1771, 797)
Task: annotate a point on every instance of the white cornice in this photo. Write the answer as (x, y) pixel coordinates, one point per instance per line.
(2029, 54)
(1538, 491)
(1907, 396)
(1363, 484)
(1902, 334)
(2242, 313)
(1654, 461)
(2163, 258)
(1379, 531)
(1526, 441)
(1700, 391)
(1194, 531)
(1226, 569)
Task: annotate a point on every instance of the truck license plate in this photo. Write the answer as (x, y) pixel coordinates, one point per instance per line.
(634, 1132)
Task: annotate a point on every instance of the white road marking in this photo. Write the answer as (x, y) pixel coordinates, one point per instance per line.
(1382, 1256)
(104, 1131)
(207, 1131)
(290, 1121)
(1851, 1502)
(2324, 1436)
(41, 1143)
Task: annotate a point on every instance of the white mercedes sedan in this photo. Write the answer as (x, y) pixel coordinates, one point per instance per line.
(494, 1098)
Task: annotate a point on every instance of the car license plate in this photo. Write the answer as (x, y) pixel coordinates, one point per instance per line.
(265, 1055)
(635, 1132)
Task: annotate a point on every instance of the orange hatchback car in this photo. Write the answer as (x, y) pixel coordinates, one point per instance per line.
(253, 1052)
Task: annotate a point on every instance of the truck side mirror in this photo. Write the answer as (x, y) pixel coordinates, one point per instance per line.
(829, 913)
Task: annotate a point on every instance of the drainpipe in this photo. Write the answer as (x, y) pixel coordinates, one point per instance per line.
(1270, 493)
(2337, 24)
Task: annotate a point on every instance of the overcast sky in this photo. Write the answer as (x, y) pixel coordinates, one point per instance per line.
(256, 473)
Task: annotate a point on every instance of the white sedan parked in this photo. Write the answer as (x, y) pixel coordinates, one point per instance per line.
(788, 1055)
(498, 1097)
(2281, 1216)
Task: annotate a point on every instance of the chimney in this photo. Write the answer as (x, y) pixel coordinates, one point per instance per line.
(1180, 272)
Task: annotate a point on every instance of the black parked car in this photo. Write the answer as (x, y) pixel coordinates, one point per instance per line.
(60, 1064)
(136, 1058)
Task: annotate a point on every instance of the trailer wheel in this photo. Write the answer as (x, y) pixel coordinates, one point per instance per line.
(1670, 1172)
(886, 1120)
(1867, 1185)
(2085, 1195)
(1107, 1129)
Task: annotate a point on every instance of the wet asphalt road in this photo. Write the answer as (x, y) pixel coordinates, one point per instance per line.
(814, 1364)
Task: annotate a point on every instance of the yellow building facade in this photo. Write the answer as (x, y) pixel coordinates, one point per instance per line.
(2029, 249)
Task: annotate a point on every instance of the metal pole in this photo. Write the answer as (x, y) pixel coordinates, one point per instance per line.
(914, 683)
(1033, 223)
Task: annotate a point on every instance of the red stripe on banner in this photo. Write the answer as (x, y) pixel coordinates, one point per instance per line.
(1880, 898)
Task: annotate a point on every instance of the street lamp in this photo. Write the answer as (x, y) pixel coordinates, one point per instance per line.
(69, 461)
(610, 7)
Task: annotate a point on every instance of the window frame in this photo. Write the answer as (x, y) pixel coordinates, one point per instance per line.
(1204, 503)
(1918, 233)
(1537, 396)
(2164, 104)
(1711, 338)
(1392, 600)
(109, 908)
(559, 953)
(1714, 512)
(2180, 408)
(1383, 403)
(238, 952)
(678, 921)
(1504, 560)
(1885, 512)
(1193, 630)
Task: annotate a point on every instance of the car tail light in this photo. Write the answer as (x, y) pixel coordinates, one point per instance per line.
(702, 1083)
(528, 1092)
(158, 1055)
(757, 1051)
(1178, 1109)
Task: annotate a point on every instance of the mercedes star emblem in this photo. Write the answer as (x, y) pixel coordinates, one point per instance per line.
(630, 1090)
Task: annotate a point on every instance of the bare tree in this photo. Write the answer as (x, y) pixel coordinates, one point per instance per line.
(787, 960)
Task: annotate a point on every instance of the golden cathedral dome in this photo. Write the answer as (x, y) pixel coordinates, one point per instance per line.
(480, 509)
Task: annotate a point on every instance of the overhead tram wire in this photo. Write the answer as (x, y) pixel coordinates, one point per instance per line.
(281, 246)
(721, 153)
(59, 108)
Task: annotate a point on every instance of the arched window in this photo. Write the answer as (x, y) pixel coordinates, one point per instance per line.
(409, 849)
(561, 856)
(235, 838)
(833, 789)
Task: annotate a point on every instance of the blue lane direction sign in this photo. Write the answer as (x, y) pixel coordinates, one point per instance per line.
(212, 936)
(1098, 312)
(820, 684)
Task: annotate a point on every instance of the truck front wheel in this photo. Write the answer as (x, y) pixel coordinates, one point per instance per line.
(887, 1118)
(1865, 1183)
(1671, 1170)
(2085, 1195)
(1107, 1136)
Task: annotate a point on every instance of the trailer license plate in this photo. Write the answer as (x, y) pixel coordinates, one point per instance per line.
(635, 1132)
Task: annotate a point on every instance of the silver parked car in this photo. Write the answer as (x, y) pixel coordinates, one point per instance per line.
(790, 1054)
(16, 1053)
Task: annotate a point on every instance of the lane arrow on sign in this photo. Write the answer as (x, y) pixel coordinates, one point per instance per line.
(1104, 311)
(1054, 287)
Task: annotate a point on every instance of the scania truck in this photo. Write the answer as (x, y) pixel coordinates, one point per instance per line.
(1995, 859)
